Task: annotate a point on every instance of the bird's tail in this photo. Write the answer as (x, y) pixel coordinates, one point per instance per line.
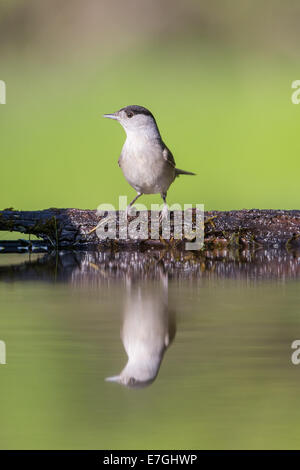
(182, 172)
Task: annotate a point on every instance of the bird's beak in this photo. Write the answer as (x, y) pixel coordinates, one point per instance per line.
(115, 378)
(111, 116)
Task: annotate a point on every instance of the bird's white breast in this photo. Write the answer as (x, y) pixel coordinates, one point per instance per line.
(144, 166)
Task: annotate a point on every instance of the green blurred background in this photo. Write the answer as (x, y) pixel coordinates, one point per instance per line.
(217, 75)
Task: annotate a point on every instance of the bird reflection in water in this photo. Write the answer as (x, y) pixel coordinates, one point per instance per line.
(148, 328)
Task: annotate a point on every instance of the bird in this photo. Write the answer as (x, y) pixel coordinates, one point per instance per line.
(147, 163)
(148, 329)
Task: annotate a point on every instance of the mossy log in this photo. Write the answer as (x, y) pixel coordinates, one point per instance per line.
(69, 228)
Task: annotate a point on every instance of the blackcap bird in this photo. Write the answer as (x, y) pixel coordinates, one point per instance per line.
(146, 162)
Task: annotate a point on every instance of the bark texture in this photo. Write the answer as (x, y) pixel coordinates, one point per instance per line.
(69, 228)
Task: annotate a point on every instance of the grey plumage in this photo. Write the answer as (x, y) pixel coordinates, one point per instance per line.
(147, 163)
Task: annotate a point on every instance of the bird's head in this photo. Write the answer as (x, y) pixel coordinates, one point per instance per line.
(139, 371)
(130, 382)
(135, 119)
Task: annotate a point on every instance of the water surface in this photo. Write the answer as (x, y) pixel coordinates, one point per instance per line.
(209, 345)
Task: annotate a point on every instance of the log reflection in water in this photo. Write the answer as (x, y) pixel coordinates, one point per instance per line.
(99, 267)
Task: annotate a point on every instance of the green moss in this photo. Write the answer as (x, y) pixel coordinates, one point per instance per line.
(47, 228)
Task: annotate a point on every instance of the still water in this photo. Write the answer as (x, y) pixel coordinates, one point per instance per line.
(121, 350)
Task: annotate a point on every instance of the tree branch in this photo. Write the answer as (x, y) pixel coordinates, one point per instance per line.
(69, 228)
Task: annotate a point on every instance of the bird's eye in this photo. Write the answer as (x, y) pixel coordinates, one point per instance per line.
(130, 114)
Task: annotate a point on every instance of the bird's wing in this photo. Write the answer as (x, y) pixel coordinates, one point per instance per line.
(167, 154)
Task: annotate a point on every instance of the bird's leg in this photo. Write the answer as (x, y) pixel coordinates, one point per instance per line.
(132, 202)
(104, 221)
(164, 213)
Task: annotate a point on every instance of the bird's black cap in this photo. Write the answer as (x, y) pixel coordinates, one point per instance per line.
(135, 109)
